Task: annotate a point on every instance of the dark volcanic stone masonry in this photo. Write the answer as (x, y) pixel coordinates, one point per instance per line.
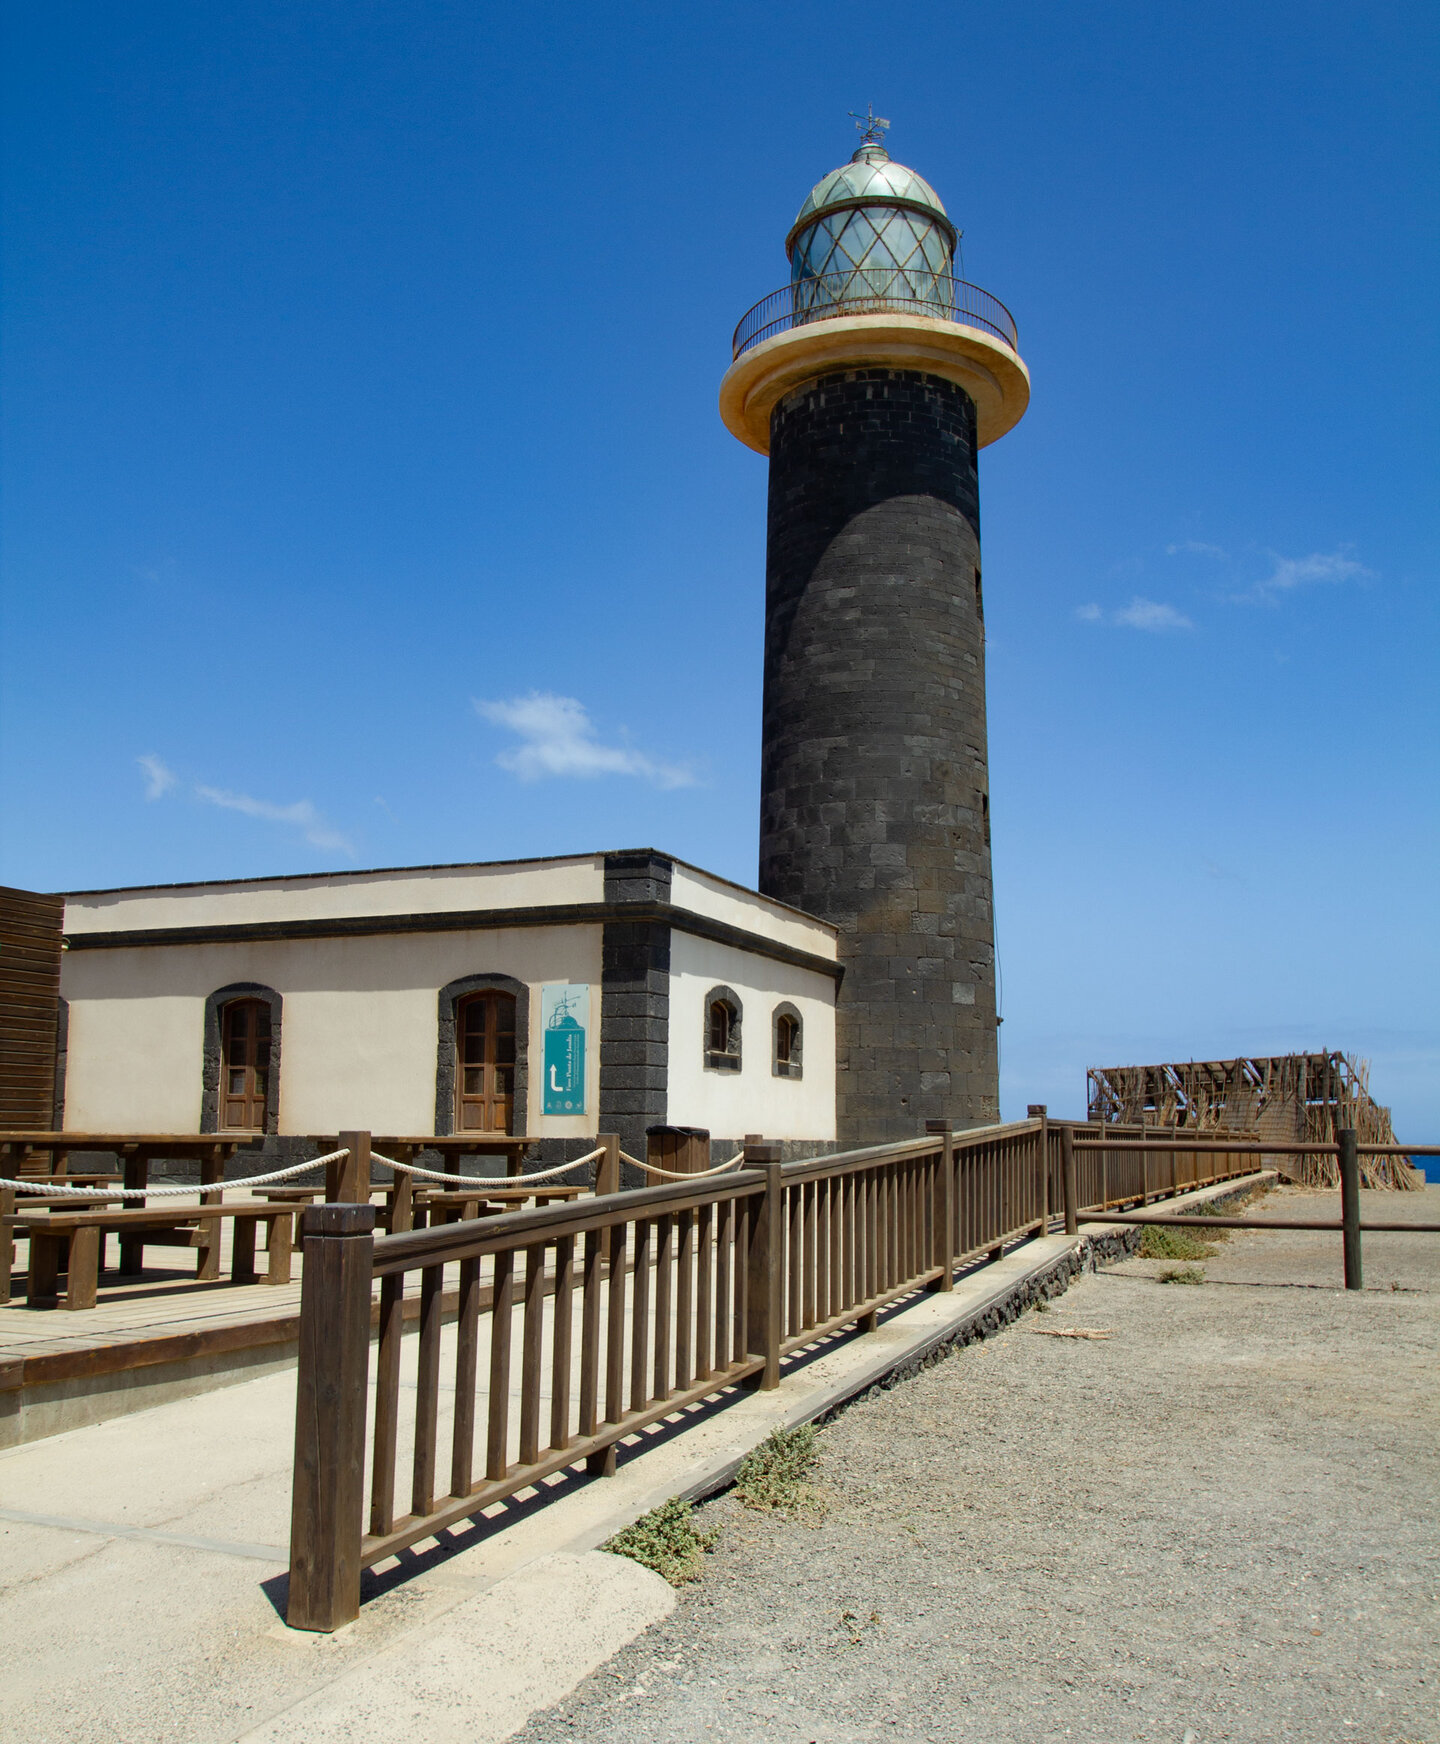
(874, 785)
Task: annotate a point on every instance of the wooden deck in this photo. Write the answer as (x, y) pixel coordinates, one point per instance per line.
(151, 1338)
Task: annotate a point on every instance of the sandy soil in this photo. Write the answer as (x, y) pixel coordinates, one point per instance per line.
(1220, 1522)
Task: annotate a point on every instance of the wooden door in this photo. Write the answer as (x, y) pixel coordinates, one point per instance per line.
(244, 1065)
(485, 1075)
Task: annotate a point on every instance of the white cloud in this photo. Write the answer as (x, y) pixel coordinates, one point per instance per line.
(1140, 614)
(302, 816)
(1197, 548)
(558, 738)
(1144, 614)
(159, 779)
(1288, 573)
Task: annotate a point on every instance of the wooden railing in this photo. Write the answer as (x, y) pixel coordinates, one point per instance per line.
(1109, 1174)
(568, 1328)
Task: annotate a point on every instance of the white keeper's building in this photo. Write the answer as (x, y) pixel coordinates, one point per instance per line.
(553, 999)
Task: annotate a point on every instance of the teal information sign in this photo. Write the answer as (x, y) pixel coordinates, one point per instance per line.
(565, 1016)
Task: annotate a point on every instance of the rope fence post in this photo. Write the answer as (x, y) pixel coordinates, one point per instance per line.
(1067, 1176)
(349, 1175)
(1349, 1141)
(607, 1168)
(328, 1488)
(402, 1192)
(943, 1207)
(765, 1265)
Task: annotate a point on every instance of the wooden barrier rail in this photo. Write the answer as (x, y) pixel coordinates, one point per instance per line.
(1347, 1150)
(590, 1320)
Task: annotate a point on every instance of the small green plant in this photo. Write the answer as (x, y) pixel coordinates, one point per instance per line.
(1172, 1244)
(850, 1622)
(774, 1476)
(1182, 1275)
(666, 1540)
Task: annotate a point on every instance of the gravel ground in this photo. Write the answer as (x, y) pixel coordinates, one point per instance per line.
(1219, 1523)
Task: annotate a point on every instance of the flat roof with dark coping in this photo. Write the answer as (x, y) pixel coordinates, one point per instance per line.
(445, 866)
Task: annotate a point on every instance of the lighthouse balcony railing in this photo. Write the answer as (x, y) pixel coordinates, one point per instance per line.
(875, 291)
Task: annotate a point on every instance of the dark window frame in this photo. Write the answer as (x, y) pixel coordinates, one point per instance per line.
(729, 1059)
(794, 1067)
(211, 1053)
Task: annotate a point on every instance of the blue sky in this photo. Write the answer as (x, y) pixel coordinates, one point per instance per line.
(361, 364)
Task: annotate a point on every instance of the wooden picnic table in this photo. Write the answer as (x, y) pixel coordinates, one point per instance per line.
(76, 1238)
(136, 1151)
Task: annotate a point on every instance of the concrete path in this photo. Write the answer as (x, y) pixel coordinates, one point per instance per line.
(142, 1565)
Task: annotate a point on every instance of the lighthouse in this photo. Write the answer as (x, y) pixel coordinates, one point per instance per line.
(871, 380)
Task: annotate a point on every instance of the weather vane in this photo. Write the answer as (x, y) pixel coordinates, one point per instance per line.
(870, 126)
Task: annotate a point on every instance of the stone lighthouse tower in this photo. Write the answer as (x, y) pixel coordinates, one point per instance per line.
(872, 380)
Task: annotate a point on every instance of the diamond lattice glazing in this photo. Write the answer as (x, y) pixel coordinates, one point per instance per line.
(893, 246)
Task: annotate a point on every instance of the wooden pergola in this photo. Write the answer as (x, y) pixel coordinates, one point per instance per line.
(1290, 1098)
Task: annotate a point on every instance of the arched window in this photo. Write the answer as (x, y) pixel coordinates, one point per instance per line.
(485, 1062)
(244, 1064)
(722, 1030)
(787, 1035)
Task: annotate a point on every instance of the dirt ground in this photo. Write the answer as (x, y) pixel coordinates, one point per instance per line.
(1221, 1522)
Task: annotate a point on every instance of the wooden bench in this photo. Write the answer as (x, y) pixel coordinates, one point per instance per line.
(457, 1204)
(10, 1218)
(82, 1233)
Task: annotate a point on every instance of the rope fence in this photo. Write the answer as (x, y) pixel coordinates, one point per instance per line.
(50, 1187)
(497, 1180)
(670, 1174)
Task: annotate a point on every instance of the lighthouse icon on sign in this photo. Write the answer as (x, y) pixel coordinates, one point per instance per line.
(564, 1010)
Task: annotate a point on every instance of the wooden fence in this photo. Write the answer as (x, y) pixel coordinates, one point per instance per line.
(590, 1320)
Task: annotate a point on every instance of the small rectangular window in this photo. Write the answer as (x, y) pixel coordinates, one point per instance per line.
(722, 1036)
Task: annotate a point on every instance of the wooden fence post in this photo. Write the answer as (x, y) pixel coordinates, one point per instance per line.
(347, 1179)
(7, 1241)
(1350, 1207)
(607, 1168)
(328, 1489)
(1067, 1173)
(943, 1207)
(765, 1265)
(1039, 1111)
(402, 1192)
(612, 1240)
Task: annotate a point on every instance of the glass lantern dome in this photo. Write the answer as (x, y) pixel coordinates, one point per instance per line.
(871, 235)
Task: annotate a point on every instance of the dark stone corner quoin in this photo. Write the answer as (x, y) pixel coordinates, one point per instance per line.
(874, 784)
(634, 1003)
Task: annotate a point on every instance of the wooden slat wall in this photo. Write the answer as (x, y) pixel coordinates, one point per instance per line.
(29, 1006)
